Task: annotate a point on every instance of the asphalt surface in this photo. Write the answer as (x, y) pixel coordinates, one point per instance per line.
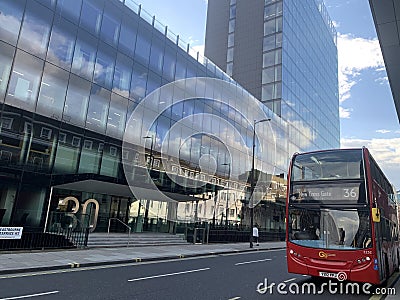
(33, 261)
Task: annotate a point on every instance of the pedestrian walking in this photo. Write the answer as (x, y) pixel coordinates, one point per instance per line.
(255, 234)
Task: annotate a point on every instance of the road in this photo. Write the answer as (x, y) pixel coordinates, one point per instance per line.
(223, 276)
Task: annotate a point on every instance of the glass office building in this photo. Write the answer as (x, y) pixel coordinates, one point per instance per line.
(289, 61)
(73, 77)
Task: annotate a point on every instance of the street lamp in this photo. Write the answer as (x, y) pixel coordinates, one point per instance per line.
(150, 167)
(226, 194)
(252, 181)
(150, 164)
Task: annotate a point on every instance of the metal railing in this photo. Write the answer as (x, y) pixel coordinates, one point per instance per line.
(39, 240)
(126, 225)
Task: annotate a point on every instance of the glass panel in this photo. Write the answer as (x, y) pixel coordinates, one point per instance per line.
(84, 55)
(41, 149)
(268, 75)
(163, 126)
(122, 75)
(278, 74)
(279, 7)
(191, 70)
(180, 72)
(10, 20)
(138, 82)
(91, 15)
(279, 40)
(52, 92)
(69, 9)
(117, 116)
(229, 55)
(6, 57)
(62, 43)
(231, 39)
(48, 3)
(232, 12)
(156, 55)
(104, 69)
(24, 82)
(67, 154)
(270, 11)
(279, 24)
(142, 50)
(278, 87)
(90, 157)
(229, 68)
(269, 43)
(127, 36)
(269, 27)
(110, 161)
(110, 25)
(269, 59)
(153, 82)
(98, 109)
(169, 63)
(232, 25)
(267, 92)
(77, 101)
(7, 195)
(35, 30)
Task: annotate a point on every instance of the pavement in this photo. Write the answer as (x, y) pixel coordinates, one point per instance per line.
(33, 261)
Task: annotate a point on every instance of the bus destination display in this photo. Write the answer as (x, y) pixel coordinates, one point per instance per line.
(325, 192)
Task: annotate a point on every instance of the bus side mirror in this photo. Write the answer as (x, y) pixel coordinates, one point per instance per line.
(376, 216)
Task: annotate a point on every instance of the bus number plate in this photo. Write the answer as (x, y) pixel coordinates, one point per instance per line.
(328, 275)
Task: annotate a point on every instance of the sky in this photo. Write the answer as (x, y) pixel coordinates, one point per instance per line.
(367, 113)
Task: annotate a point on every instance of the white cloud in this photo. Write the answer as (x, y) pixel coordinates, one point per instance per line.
(382, 80)
(199, 48)
(355, 55)
(382, 131)
(386, 153)
(344, 113)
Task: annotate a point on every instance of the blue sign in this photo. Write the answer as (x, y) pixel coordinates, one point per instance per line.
(375, 261)
(375, 267)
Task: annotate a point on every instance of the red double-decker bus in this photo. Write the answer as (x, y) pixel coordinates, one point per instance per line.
(341, 217)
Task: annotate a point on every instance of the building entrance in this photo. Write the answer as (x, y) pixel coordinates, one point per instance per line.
(119, 213)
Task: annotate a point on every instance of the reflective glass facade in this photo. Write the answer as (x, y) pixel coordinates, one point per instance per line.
(289, 62)
(73, 75)
(309, 74)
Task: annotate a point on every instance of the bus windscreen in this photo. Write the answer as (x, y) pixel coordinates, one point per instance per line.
(328, 165)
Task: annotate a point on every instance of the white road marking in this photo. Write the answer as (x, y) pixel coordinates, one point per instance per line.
(236, 298)
(169, 274)
(30, 296)
(289, 280)
(252, 261)
(251, 252)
